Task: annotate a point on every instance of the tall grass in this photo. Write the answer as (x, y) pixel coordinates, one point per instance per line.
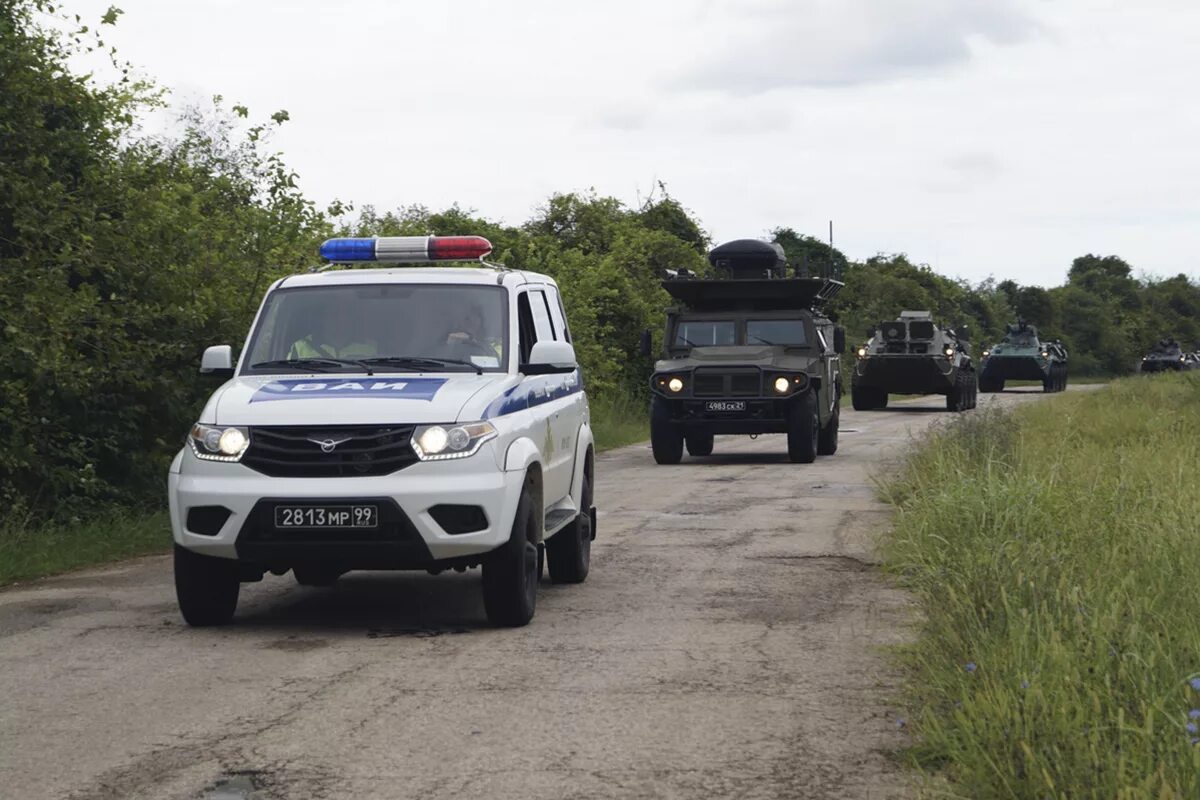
(618, 420)
(1056, 555)
(29, 550)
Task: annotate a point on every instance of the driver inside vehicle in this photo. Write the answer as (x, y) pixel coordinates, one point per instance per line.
(467, 336)
(337, 334)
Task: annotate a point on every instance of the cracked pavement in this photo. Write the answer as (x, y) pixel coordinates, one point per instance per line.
(727, 644)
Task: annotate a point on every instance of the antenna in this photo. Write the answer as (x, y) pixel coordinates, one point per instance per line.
(829, 271)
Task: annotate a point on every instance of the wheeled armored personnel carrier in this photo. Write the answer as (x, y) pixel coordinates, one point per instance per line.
(1023, 356)
(912, 355)
(1167, 356)
(748, 352)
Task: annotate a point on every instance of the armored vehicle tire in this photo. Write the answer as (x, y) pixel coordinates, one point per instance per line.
(510, 574)
(699, 444)
(827, 439)
(206, 587)
(804, 428)
(665, 439)
(311, 575)
(569, 552)
(991, 385)
(960, 396)
(867, 398)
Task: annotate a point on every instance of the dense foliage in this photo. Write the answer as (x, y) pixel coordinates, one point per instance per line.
(123, 255)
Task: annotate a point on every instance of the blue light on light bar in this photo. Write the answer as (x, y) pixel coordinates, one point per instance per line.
(348, 250)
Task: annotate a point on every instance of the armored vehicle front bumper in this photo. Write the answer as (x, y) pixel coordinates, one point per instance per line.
(905, 374)
(1015, 368)
(1162, 365)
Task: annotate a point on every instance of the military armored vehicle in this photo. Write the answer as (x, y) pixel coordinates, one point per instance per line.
(1023, 356)
(1167, 356)
(912, 355)
(747, 352)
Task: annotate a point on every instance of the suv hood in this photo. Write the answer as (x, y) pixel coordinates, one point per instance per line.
(739, 356)
(350, 399)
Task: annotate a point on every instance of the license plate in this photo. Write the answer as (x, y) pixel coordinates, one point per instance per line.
(725, 405)
(347, 516)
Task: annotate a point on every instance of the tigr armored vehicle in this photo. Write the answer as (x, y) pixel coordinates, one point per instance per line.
(1167, 356)
(750, 352)
(912, 355)
(1022, 356)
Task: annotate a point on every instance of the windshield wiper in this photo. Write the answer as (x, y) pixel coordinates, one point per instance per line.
(761, 339)
(421, 361)
(314, 364)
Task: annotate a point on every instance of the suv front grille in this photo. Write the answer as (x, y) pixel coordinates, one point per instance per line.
(727, 383)
(356, 451)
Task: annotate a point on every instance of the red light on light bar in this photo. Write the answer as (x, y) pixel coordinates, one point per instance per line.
(458, 248)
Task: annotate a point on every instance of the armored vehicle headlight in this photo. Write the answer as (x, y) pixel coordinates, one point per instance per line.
(782, 385)
(949, 352)
(212, 443)
(987, 353)
(862, 352)
(440, 443)
(675, 385)
(1045, 354)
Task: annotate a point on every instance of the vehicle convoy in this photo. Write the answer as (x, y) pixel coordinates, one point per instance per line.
(391, 418)
(1167, 356)
(912, 355)
(748, 352)
(1025, 357)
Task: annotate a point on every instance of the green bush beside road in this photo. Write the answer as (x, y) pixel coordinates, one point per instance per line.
(1056, 556)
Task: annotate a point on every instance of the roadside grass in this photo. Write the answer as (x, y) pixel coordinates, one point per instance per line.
(1056, 556)
(34, 551)
(618, 421)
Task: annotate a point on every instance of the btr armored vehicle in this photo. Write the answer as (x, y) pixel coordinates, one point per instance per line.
(1167, 356)
(912, 355)
(1023, 356)
(748, 352)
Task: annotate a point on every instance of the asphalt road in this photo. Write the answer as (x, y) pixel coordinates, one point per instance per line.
(726, 644)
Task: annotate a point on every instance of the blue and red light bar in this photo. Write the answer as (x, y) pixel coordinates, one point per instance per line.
(406, 249)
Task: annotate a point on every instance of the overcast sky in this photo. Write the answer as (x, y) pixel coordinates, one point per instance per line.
(984, 137)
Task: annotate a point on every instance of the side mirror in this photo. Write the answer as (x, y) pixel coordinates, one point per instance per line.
(550, 358)
(839, 340)
(217, 360)
(870, 333)
(965, 332)
(645, 344)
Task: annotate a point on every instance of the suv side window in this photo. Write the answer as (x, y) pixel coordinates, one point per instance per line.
(528, 330)
(541, 315)
(558, 315)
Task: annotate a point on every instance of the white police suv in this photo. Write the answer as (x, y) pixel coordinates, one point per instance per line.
(391, 418)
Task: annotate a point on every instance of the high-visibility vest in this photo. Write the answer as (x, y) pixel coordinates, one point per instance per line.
(304, 348)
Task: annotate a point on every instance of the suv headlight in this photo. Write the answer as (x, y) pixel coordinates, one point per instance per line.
(219, 443)
(444, 442)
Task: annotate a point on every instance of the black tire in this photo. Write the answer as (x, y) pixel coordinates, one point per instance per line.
(972, 390)
(1064, 377)
(827, 439)
(569, 552)
(510, 574)
(699, 444)
(881, 398)
(666, 440)
(987, 385)
(206, 588)
(803, 429)
(954, 397)
(315, 575)
(861, 399)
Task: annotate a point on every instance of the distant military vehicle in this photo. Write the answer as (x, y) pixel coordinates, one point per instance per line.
(749, 352)
(912, 355)
(1166, 355)
(1022, 356)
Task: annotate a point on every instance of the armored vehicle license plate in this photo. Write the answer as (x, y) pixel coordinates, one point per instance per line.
(725, 405)
(347, 516)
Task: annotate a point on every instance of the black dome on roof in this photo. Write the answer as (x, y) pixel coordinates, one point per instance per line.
(744, 256)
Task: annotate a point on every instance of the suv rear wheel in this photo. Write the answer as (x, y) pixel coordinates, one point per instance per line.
(569, 552)
(699, 444)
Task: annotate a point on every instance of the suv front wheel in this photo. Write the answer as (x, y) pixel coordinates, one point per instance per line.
(803, 429)
(206, 587)
(510, 575)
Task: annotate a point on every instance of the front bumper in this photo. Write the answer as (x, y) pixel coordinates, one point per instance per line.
(759, 416)
(408, 536)
(1017, 368)
(906, 374)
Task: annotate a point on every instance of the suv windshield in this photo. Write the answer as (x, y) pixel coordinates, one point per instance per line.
(705, 333)
(776, 331)
(381, 328)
